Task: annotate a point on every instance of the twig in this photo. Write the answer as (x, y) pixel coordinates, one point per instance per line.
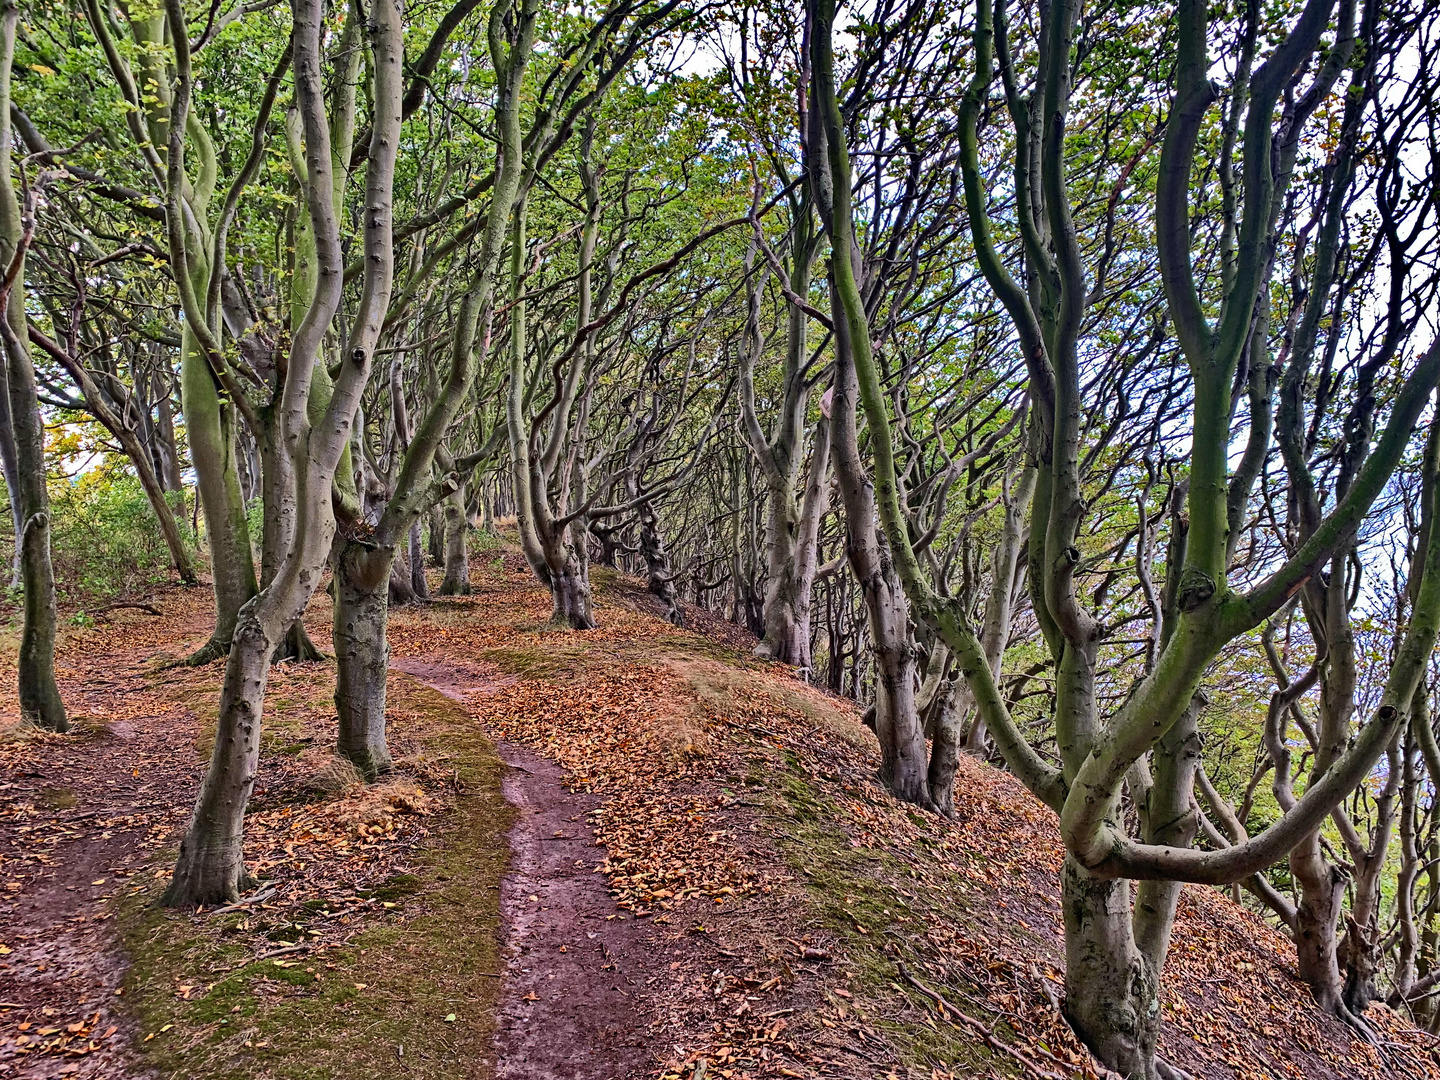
(953, 1014)
(262, 895)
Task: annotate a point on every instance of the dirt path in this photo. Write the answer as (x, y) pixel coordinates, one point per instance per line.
(576, 965)
(80, 816)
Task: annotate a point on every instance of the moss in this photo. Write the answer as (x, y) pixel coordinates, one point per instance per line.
(56, 798)
(542, 662)
(849, 889)
(396, 887)
(342, 1012)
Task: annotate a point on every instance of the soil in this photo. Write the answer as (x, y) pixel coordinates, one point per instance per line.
(77, 822)
(577, 966)
(703, 876)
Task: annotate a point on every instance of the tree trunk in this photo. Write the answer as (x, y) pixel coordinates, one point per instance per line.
(570, 587)
(785, 638)
(1004, 585)
(457, 558)
(1111, 993)
(40, 702)
(211, 429)
(211, 866)
(11, 471)
(944, 748)
(660, 577)
(1322, 890)
(277, 532)
(362, 653)
(903, 767)
(418, 584)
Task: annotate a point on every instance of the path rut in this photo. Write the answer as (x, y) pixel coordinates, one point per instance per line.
(573, 998)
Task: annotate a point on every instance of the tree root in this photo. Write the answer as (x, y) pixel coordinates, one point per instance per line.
(1165, 1071)
(1357, 1024)
(297, 646)
(212, 650)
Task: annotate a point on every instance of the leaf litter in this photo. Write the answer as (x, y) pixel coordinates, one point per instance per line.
(802, 923)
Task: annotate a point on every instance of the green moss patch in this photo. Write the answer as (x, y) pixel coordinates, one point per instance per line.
(411, 993)
(854, 890)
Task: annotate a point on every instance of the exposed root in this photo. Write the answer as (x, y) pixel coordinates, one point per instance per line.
(1165, 1071)
(297, 647)
(212, 650)
(982, 1031)
(1357, 1024)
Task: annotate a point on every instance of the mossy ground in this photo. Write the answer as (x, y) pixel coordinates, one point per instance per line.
(852, 889)
(410, 996)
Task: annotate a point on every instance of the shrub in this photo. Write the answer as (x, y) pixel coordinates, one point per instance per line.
(104, 541)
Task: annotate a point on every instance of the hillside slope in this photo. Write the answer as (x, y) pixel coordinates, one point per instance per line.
(762, 907)
(741, 806)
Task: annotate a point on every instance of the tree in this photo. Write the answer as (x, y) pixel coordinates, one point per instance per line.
(22, 429)
(210, 867)
(1114, 961)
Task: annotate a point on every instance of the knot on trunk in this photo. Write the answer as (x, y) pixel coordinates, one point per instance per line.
(1196, 587)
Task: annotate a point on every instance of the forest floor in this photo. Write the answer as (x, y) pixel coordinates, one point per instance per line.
(635, 851)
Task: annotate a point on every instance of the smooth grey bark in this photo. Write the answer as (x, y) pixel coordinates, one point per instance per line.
(366, 561)
(416, 553)
(456, 581)
(362, 653)
(792, 516)
(210, 867)
(10, 469)
(211, 427)
(945, 746)
(164, 442)
(903, 765)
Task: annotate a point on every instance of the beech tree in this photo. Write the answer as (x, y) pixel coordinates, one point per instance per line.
(210, 867)
(22, 429)
(1149, 742)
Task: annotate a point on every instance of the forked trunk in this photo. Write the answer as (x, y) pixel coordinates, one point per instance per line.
(787, 626)
(211, 429)
(570, 592)
(362, 654)
(1112, 994)
(1317, 915)
(903, 767)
